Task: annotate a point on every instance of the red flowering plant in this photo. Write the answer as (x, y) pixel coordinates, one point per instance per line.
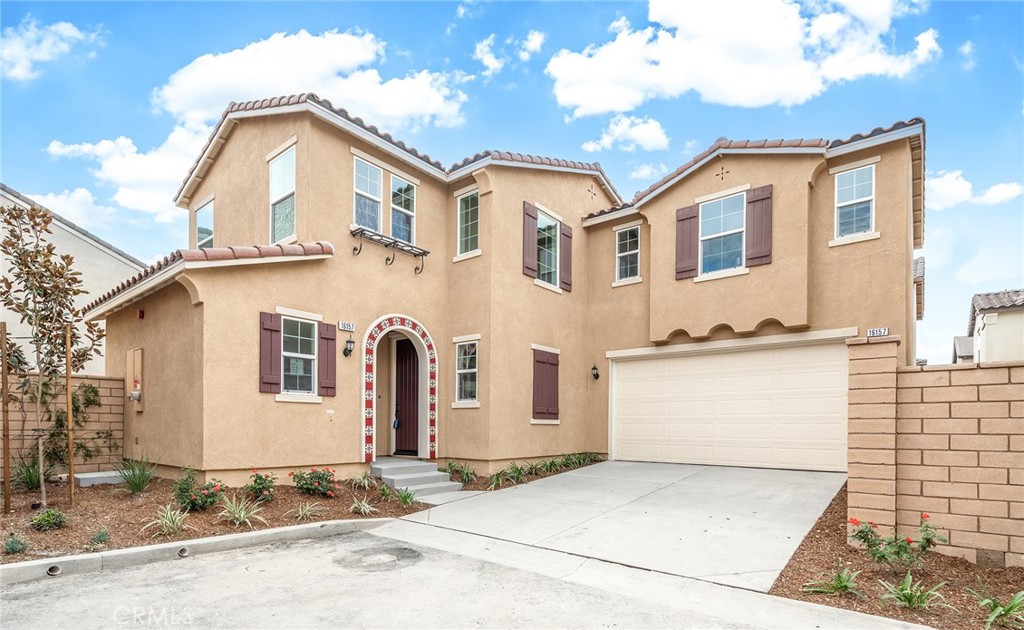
(898, 553)
(194, 497)
(261, 486)
(318, 482)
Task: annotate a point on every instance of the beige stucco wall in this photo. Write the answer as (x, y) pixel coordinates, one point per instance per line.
(1000, 336)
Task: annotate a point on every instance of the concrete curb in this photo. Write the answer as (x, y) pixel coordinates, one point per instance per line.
(133, 556)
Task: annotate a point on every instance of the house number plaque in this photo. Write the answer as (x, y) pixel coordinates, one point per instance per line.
(878, 332)
(347, 326)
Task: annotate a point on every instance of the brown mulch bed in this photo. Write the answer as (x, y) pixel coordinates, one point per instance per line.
(124, 515)
(825, 547)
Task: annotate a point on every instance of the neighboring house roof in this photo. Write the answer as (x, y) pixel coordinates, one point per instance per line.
(963, 347)
(339, 117)
(167, 269)
(74, 227)
(919, 285)
(913, 129)
(999, 300)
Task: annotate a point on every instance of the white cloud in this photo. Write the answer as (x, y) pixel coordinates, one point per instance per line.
(531, 45)
(628, 133)
(946, 189)
(649, 171)
(462, 11)
(28, 44)
(966, 51)
(333, 64)
(746, 53)
(690, 149)
(484, 53)
(78, 206)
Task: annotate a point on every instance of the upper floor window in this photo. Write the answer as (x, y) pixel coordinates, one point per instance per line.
(465, 372)
(204, 226)
(403, 210)
(721, 233)
(627, 253)
(368, 195)
(298, 353)
(855, 201)
(282, 196)
(469, 223)
(547, 249)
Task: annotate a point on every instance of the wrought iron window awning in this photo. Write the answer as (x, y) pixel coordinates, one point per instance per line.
(390, 243)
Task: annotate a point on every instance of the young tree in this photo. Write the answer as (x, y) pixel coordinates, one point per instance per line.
(40, 287)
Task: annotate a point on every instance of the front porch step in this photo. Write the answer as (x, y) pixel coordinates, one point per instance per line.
(420, 478)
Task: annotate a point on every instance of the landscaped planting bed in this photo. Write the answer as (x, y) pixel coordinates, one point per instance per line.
(516, 473)
(825, 550)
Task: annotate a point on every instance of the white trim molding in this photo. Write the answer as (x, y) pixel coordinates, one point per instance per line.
(626, 226)
(363, 155)
(462, 192)
(287, 144)
(854, 238)
(544, 285)
(537, 346)
(550, 421)
(470, 254)
(735, 345)
(725, 273)
(551, 213)
(299, 398)
(627, 282)
(611, 216)
(466, 338)
(722, 193)
(199, 206)
(291, 312)
(853, 165)
(466, 404)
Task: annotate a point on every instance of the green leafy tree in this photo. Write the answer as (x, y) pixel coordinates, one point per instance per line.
(40, 286)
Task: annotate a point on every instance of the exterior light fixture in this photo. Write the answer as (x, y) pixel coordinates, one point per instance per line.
(350, 346)
(595, 373)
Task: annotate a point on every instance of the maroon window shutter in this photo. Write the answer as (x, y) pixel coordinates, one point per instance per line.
(759, 226)
(326, 359)
(529, 239)
(545, 385)
(270, 353)
(565, 258)
(687, 242)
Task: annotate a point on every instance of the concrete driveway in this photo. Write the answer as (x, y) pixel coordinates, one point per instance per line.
(733, 526)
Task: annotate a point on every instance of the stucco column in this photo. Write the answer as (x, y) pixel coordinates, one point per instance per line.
(871, 449)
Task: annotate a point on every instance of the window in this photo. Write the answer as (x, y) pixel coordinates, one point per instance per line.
(469, 223)
(403, 210)
(465, 372)
(627, 253)
(298, 353)
(721, 233)
(545, 385)
(282, 196)
(204, 226)
(368, 195)
(855, 200)
(547, 249)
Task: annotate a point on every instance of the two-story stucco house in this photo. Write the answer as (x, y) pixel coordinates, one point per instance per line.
(345, 297)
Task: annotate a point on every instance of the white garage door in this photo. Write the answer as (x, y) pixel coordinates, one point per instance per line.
(780, 407)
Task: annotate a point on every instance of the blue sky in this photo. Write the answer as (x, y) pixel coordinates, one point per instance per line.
(106, 105)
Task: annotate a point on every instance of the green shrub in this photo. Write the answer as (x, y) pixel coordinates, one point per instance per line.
(912, 594)
(26, 473)
(317, 482)
(101, 537)
(515, 474)
(261, 486)
(49, 519)
(385, 491)
(363, 507)
(193, 497)
(14, 545)
(364, 481)
(840, 582)
(896, 552)
(307, 511)
(1008, 615)
(240, 510)
(135, 474)
(168, 521)
(405, 496)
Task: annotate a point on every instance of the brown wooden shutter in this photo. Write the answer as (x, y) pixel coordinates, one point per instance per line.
(270, 353)
(759, 226)
(545, 385)
(326, 359)
(565, 258)
(687, 242)
(529, 239)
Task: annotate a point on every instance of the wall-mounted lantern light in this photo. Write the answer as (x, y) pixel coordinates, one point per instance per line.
(350, 346)
(595, 373)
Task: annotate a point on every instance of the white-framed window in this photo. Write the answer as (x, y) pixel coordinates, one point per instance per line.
(403, 210)
(204, 226)
(722, 223)
(298, 356)
(282, 196)
(469, 223)
(466, 372)
(855, 201)
(627, 253)
(547, 249)
(368, 180)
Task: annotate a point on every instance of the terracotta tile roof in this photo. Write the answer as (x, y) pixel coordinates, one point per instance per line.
(506, 156)
(601, 213)
(1007, 298)
(877, 131)
(214, 254)
(963, 347)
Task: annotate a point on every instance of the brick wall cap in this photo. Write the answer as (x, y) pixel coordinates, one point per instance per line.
(949, 368)
(1000, 364)
(908, 368)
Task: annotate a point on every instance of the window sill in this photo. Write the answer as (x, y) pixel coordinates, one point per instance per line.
(854, 238)
(288, 240)
(727, 273)
(544, 421)
(545, 285)
(298, 398)
(466, 404)
(471, 254)
(627, 282)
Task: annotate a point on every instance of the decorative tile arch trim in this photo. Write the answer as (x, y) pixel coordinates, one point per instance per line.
(373, 335)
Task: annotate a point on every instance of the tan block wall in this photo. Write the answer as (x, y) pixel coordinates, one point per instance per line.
(108, 416)
(948, 440)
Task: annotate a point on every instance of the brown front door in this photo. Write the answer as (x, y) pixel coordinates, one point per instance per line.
(407, 398)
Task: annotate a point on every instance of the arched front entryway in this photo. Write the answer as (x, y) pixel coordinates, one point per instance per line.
(427, 353)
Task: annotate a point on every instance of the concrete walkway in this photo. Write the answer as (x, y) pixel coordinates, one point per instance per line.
(733, 526)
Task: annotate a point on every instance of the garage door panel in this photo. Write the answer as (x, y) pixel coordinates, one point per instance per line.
(778, 407)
